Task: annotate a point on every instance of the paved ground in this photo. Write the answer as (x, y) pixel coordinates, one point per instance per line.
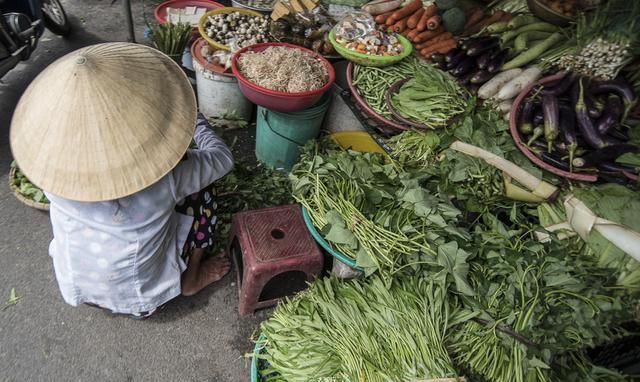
(41, 338)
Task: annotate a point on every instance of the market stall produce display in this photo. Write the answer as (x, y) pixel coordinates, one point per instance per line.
(233, 28)
(484, 253)
(308, 28)
(283, 69)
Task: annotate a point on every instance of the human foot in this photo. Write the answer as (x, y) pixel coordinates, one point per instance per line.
(207, 272)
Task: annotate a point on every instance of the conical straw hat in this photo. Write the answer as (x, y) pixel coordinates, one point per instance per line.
(104, 122)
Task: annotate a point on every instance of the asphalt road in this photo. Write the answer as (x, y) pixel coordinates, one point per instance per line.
(201, 338)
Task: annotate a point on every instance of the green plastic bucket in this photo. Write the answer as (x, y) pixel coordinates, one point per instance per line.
(280, 135)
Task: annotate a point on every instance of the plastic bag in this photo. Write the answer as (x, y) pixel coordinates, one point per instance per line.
(354, 26)
(343, 271)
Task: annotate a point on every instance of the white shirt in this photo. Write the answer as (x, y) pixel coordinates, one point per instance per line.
(125, 254)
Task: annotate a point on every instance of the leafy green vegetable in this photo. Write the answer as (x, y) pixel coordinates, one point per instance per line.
(363, 331)
(26, 188)
(432, 97)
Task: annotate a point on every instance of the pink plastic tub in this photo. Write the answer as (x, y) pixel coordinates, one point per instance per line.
(280, 101)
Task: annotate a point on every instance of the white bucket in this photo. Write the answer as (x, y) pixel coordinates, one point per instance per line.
(219, 94)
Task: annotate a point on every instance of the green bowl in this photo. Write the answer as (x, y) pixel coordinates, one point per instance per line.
(254, 372)
(323, 243)
(372, 60)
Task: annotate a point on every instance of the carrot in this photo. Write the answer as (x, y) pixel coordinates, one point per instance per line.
(426, 35)
(414, 18)
(434, 40)
(433, 22)
(412, 34)
(439, 47)
(407, 10)
(473, 18)
(428, 12)
(382, 18)
(400, 26)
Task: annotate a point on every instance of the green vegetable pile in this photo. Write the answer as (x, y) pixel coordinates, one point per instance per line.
(355, 331)
(372, 82)
(507, 308)
(431, 98)
(248, 186)
(27, 189)
(371, 210)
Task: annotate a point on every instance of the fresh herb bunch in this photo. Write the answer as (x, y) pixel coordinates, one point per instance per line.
(171, 39)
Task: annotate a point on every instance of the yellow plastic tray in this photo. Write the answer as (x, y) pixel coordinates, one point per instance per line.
(203, 21)
(357, 140)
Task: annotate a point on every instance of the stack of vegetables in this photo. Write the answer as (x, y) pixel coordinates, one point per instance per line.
(431, 28)
(460, 284)
(431, 99)
(573, 134)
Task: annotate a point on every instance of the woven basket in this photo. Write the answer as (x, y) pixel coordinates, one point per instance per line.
(14, 189)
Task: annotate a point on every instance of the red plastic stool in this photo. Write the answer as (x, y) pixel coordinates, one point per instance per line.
(268, 243)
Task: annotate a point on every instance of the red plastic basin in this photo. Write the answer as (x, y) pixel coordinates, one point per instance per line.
(280, 101)
(160, 12)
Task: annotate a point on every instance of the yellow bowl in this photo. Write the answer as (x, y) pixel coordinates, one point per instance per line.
(357, 140)
(223, 10)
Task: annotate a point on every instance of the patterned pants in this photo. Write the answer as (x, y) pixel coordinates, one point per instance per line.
(202, 207)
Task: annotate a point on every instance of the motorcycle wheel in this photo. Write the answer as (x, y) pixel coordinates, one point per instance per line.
(55, 19)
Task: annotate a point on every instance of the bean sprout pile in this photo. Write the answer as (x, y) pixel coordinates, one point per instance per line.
(283, 69)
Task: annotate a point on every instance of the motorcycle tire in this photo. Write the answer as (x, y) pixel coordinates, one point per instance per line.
(55, 18)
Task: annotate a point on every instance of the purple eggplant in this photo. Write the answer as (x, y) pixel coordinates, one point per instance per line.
(466, 79)
(612, 167)
(618, 134)
(605, 154)
(561, 87)
(538, 116)
(585, 124)
(480, 77)
(456, 60)
(612, 112)
(438, 57)
(496, 62)
(484, 59)
(619, 87)
(452, 53)
(554, 160)
(568, 130)
(592, 109)
(466, 66)
(480, 47)
(551, 112)
(525, 123)
(537, 133)
(468, 42)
